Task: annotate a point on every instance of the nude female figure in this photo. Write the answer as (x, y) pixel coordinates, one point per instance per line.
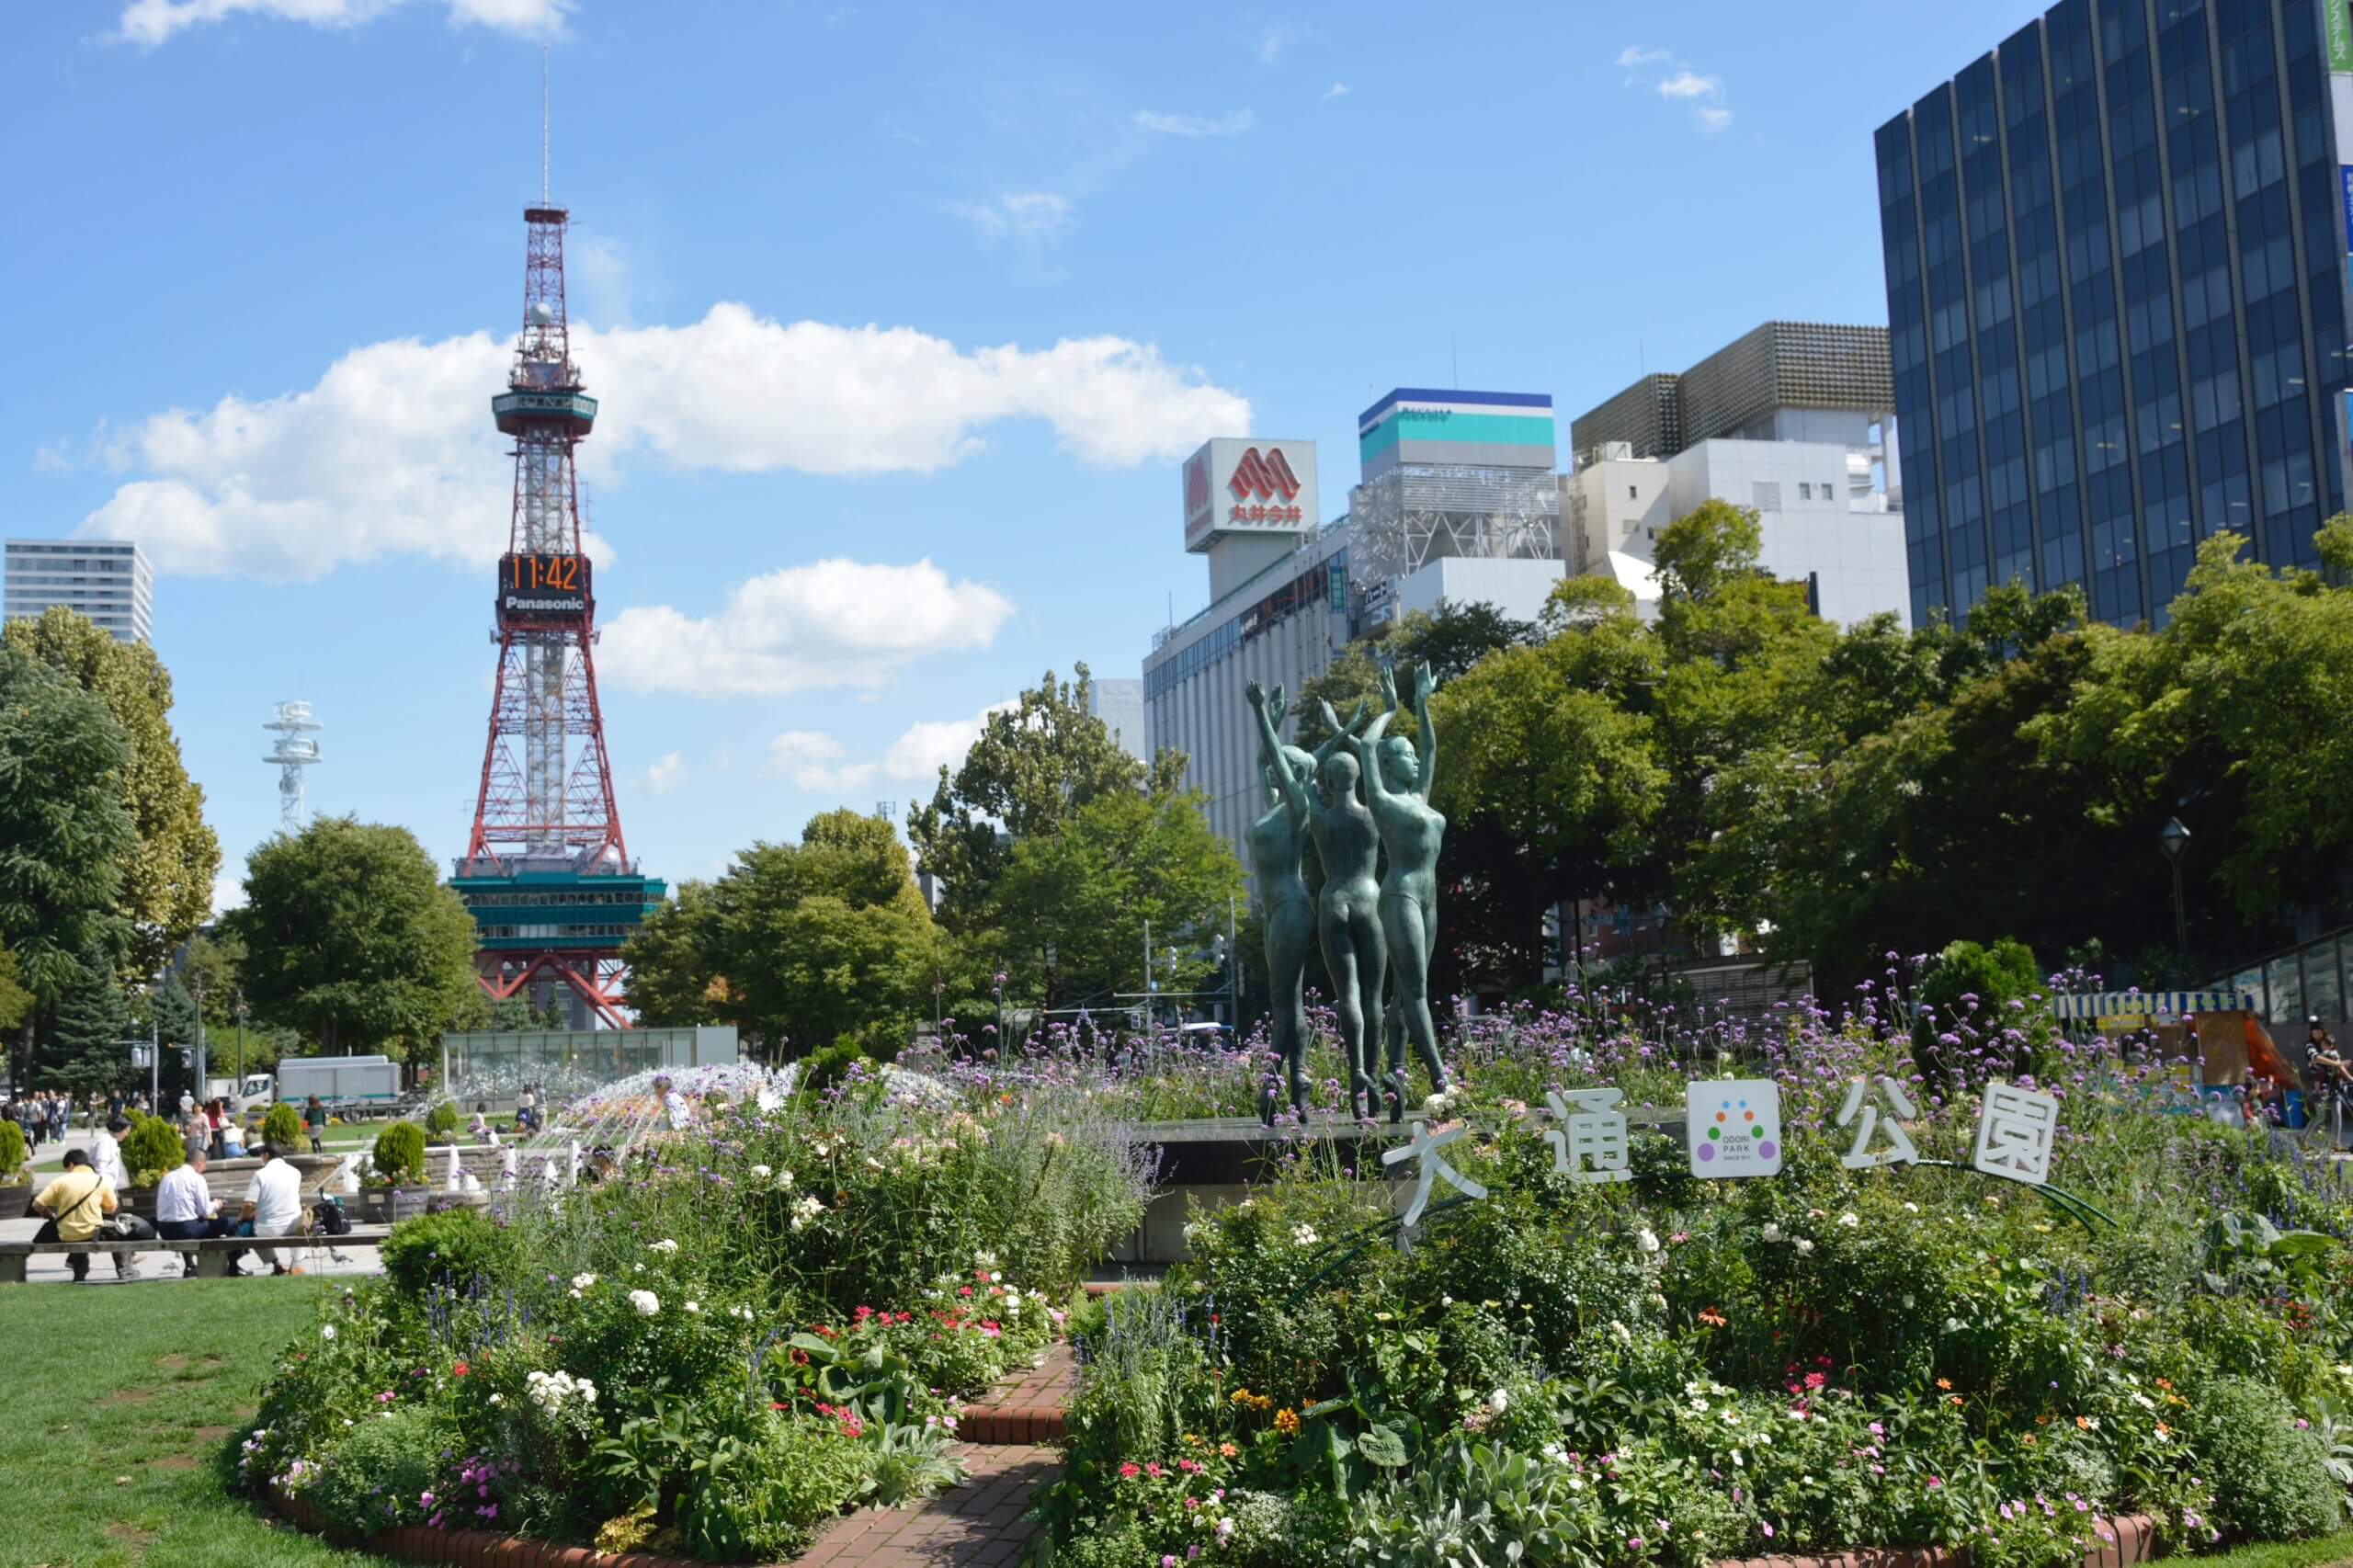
(1275, 841)
(1398, 774)
(1347, 917)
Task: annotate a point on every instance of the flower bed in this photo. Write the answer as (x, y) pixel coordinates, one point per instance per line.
(738, 1334)
(1667, 1369)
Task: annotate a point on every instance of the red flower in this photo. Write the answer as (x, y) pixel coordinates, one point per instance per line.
(1815, 1380)
(459, 1370)
(1129, 1470)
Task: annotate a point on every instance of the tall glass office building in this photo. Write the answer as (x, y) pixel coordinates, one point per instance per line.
(2115, 290)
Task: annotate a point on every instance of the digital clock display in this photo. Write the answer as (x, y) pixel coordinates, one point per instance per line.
(542, 587)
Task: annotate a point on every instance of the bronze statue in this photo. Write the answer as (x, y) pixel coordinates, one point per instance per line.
(1398, 775)
(1345, 916)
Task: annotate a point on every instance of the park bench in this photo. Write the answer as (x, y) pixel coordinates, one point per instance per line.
(211, 1252)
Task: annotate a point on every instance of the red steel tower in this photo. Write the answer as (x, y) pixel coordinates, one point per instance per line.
(546, 871)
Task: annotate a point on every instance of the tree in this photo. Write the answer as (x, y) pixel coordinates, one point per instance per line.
(1122, 860)
(166, 890)
(86, 1049)
(353, 941)
(212, 966)
(174, 1011)
(1034, 766)
(801, 946)
(15, 1002)
(64, 830)
(518, 1014)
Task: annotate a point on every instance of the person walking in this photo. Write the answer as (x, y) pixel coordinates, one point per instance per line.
(314, 1122)
(273, 1207)
(187, 1211)
(73, 1207)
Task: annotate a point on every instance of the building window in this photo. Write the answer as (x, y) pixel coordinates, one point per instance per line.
(1633, 493)
(1805, 491)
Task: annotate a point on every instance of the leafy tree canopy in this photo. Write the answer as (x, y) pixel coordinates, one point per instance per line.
(353, 941)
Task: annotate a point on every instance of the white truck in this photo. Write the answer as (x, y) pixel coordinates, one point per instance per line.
(241, 1092)
(366, 1085)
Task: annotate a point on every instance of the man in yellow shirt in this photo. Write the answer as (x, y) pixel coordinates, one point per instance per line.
(76, 1203)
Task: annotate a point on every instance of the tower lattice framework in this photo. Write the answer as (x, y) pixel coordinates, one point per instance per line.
(546, 809)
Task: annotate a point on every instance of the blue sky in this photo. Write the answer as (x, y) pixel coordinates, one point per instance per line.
(901, 318)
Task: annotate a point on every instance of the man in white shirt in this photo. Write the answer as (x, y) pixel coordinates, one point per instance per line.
(274, 1206)
(185, 1210)
(106, 1158)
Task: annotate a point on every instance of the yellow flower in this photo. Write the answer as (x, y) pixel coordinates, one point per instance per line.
(1240, 1396)
(1287, 1423)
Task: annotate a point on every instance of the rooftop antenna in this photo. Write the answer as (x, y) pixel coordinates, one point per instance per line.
(293, 751)
(544, 125)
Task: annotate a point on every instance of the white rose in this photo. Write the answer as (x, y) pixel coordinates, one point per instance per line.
(1849, 1220)
(646, 1302)
(1646, 1241)
(761, 1173)
(665, 1246)
(1772, 1232)
(1499, 1401)
(694, 1309)
(1302, 1236)
(326, 1331)
(1803, 1246)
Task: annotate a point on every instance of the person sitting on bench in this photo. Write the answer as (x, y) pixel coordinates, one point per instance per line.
(76, 1203)
(185, 1212)
(273, 1206)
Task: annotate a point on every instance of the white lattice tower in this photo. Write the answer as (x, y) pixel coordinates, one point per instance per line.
(293, 751)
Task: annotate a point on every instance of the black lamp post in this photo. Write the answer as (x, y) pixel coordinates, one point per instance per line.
(2173, 838)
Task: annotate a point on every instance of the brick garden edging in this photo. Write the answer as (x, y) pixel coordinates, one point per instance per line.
(2135, 1542)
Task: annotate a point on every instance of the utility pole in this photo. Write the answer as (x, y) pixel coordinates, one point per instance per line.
(1147, 970)
(203, 1062)
(1232, 972)
(154, 1058)
(240, 995)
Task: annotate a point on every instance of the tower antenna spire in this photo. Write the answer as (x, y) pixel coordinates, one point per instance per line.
(544, 125)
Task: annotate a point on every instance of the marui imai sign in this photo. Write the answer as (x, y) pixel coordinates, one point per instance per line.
(1249, 484)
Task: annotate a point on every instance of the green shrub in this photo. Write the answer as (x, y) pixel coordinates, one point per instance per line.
(282, 1127)
(2270, 1476)
(442, 1121)
(12, 1151)
(373, 1474)
(400, 1153)
(151, 1147)
(821, 1070)
(458, 1246)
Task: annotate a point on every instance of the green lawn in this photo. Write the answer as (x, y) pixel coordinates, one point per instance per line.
(123, 1406)
(2325, 1552)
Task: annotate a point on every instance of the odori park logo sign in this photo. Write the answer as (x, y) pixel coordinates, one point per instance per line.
(1732, 1129)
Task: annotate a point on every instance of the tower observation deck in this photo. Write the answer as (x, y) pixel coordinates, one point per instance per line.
(547, 873)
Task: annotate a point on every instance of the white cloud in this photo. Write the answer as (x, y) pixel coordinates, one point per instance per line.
(1233, 122)
(928, 746)
(669, 771)
(831, 623)
(804, 756)
(1674, 80)
(151, 22)
(1038, 217)
(392, 451)
(1272, 41)
(1337, 90)
(228, 893)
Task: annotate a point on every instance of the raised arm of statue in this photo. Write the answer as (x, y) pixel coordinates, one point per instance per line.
(1368, 750)
(1388, 690)
(1339, 732)
(1271, 744)
(1426, 742)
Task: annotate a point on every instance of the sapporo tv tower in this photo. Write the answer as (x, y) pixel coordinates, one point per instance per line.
(546, 872)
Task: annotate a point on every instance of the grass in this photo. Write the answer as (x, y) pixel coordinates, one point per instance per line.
(2321, 1552)
(124, 1406)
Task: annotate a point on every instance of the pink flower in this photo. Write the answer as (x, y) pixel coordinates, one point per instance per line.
(1768, 1532)
(1129, 1470)
(1934, 1482)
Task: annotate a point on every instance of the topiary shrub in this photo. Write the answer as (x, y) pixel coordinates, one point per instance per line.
(456, 1248)
(151, 1147)
(821, 1070)
(442, 1121)
(12, 1154)
(2270, 1477)
(282, 1127)
(400, 1154)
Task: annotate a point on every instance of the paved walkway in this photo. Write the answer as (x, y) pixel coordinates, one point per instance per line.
(977, 1525)
(52, 1269)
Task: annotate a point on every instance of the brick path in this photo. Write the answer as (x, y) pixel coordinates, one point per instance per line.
(1026, 1408)
(977, 1525)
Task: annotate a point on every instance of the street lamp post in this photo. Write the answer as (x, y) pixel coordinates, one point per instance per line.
(2172, 839)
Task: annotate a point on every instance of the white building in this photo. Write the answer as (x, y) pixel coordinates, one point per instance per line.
(1120, 704)
(107, 580)
(1822, 518)
(1793, 419)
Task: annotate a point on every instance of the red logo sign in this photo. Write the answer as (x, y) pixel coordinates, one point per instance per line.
(1268, 478)
(1196, 485)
